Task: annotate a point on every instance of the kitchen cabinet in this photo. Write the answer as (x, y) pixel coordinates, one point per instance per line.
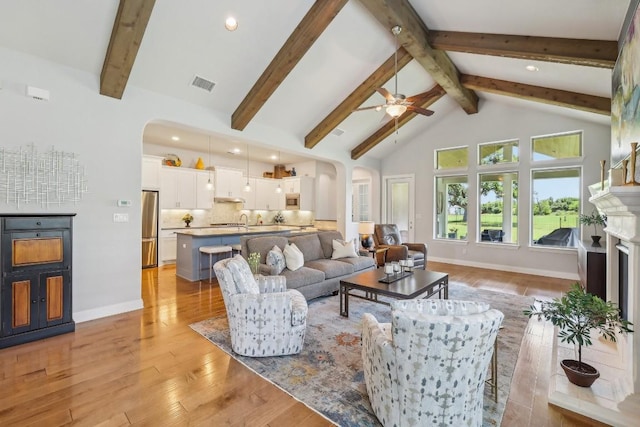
(229, 183)
(151, 166)
(177, 188)
(592, 268)
(251, 196)
(35, 292)
(266, 196)
(168, 241)
(305, 186)
(204, 196)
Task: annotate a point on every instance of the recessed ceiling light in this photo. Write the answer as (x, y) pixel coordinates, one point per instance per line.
(231, 24)
(274, 157)
(236, 150)
(531, 68)
(175, 138)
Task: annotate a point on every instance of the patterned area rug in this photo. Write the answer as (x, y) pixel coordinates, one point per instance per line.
(327, 376)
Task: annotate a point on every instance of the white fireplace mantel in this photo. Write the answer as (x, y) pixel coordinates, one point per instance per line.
(621, 205)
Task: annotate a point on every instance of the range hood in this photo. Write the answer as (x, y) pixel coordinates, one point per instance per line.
(228, 200)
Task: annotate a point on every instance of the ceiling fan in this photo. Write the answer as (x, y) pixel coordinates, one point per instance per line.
(396, 103)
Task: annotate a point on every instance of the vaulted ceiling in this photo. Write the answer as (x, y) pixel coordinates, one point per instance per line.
(304, 66)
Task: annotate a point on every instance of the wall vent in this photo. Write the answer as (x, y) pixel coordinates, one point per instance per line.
(337, 132)
(202, 83)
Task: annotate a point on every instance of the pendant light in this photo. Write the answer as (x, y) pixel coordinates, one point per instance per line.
(247, 187)
(209, 183)
(279, 189)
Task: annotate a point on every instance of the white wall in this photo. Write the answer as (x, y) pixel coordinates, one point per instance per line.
(495, 122)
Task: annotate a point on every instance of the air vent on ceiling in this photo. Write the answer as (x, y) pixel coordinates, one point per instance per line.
(337, 132)
(202, 83)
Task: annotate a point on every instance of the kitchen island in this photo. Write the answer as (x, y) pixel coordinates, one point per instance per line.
(189, 242)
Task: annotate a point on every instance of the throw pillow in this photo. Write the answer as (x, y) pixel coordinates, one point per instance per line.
(275, 260)
(242, 276)
(342, 249)
(293, 257)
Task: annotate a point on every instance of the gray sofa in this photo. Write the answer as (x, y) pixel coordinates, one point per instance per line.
(320, 275)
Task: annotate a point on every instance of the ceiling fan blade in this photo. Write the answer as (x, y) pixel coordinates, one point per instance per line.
(419, 110)
(373, 107)
(387, 95)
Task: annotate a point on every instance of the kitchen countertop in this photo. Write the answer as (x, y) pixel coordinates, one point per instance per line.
(230, 231)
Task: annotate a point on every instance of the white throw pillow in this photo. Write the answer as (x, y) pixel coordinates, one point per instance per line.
(342, 249)
(293, 256)
(275, 260)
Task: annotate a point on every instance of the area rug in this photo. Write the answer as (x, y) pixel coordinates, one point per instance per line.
(327, 376)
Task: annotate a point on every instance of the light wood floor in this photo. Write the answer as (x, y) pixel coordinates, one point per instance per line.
(149, 368)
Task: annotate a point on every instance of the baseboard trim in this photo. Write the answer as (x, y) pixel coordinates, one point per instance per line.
(509, 268)
(109, 310)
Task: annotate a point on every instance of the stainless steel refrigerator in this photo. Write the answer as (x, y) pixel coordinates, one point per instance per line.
(149, 229)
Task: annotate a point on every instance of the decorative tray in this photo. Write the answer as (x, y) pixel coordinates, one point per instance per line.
(395, 277)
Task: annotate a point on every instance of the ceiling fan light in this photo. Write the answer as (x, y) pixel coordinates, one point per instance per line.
(396, 110)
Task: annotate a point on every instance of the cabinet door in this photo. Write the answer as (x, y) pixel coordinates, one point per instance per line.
(168, 251)
(291, 185)
(229, 183)
(177, 188)
(19, 303)
(186, 189)
(55, 298)
(168, 189)
(252, 198)
(151, 167)
(204, 196)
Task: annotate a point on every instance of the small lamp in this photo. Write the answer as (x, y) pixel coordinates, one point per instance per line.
(365, 229)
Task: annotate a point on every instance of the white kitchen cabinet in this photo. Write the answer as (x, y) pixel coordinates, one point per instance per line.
(305, 186)
(151, 166)
(266, 196)
(250, 197)
(177, 188)
(204, 196)
(229, 183)
(168, 241)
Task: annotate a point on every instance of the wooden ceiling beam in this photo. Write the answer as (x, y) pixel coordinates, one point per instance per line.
(424, 100)
(128, 29)
(367, 88)
(592, 53)
(299, 42)
(414, 38)
(563, 98)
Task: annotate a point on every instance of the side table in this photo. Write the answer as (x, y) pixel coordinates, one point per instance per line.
(374, 253)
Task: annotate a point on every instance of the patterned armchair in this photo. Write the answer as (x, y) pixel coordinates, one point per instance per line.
(388, 236)
(265, 319)
(428, 367)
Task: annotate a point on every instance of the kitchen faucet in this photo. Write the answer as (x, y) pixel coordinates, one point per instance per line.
(246, 220)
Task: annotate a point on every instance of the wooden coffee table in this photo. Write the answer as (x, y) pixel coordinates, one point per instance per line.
(420, 284)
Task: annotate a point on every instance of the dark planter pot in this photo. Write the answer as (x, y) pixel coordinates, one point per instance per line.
(596, 240)
(582, 376)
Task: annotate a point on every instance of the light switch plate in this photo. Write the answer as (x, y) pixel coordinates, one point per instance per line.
(120, 217)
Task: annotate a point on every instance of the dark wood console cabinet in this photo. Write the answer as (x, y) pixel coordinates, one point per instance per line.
(592, 268)
(35, 294)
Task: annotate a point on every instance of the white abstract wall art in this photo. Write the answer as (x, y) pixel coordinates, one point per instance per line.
(28, 176)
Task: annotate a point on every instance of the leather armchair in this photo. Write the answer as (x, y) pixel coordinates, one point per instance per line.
(388, 236)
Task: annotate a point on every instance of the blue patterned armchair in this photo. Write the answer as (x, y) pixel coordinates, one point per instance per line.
(265, 319)
(428, 366)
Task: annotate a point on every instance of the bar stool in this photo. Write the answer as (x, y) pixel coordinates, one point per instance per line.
(211, 250)
(237, 248)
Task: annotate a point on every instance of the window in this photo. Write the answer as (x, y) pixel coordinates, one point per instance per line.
(554, 147)
(498, 207)
(555, 206)
(361, 201)
(451, 158)
(451, 207)
(498, 152)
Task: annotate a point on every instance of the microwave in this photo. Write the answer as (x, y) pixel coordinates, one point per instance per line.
(292, 201)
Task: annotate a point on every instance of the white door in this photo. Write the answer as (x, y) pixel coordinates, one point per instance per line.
(399, 204)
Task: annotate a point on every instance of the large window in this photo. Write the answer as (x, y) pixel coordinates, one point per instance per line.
(451, 207)
(498, 207)
(452, 158)
(498, 152)
(555, 206)
(554, 147)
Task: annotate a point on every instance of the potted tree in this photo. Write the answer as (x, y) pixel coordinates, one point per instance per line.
(594, 219)
(577, 314)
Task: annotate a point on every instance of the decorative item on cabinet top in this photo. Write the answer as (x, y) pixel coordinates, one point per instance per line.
(172, 160)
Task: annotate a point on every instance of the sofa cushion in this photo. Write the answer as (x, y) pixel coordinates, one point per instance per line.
(309, 244)
(330, 268)
(263, 245)
(293, 257)
(326, 241)
(275, 260)
(302, 277)
(342, 249)
(416, 255)
(360, 263)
